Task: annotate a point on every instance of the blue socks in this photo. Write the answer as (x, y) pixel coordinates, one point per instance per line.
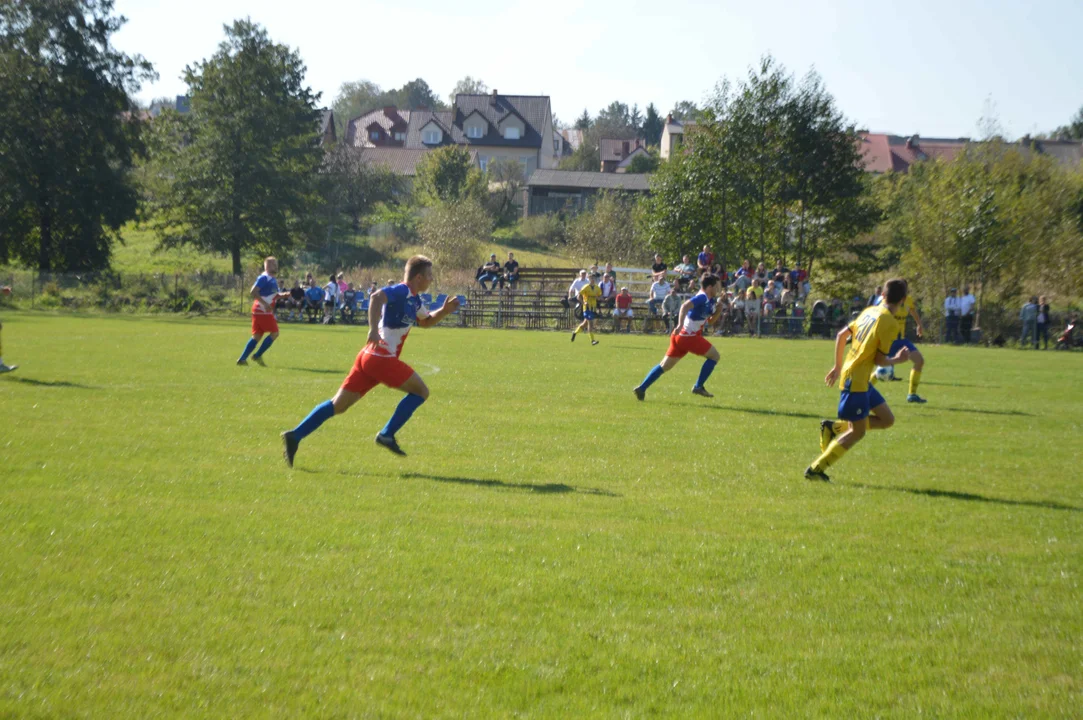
(320, 414)
(263, 348)
(655, 373)
(402, 413)
(248, 349)
(705, 372)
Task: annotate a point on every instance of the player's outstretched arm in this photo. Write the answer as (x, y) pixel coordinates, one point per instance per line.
(840, 347)
(449, 306)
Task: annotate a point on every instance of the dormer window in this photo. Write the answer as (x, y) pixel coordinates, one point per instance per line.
(511, 133)
(431, 136)
(475, 132)
(374, 135)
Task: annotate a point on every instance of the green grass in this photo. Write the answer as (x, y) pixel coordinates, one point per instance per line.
(550, 548)
(139, 254)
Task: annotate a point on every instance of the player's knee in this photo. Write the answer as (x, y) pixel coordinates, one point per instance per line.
(274, 336)
(422, 392)
(919, 361)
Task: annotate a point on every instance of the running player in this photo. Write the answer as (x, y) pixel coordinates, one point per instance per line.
(4, 368)
(589, 295)
(861, 407)
(701, 309)
(264, 296)
(906, 309)
(392, 312)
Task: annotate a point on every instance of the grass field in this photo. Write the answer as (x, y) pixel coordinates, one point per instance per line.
(550, 547)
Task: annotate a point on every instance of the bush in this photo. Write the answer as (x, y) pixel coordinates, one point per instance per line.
(451, 232)
(607, 232)
(545, 230)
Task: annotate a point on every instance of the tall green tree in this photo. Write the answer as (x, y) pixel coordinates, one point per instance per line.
(1073, 130)
(449, 175)
(653, 124)
(68, 134)
(583, 122)
(245, 178)
(468, 86)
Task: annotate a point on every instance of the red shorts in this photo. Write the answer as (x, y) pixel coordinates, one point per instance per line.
(371, 370)
(263, 324)
(681, 345)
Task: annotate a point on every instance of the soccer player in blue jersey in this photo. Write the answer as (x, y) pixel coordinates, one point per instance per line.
(264, 296)
(698, 311)
(392, 312)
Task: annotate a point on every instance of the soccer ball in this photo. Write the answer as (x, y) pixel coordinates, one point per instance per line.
(884, 374)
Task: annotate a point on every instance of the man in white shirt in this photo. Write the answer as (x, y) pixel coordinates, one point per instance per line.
(609, 290)
(659, 290)
(330, 301)
(951, 318)
(573, 290)
(966, 314)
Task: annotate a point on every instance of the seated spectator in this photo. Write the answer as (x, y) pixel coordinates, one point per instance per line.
(313, 301)
(752, 307)
(511, 272)
(875, 297)
(671, 308)
(705, 261)
(658, 269)
(786, 301)
(761, 273)
(297, 300)
(770, 293)
(372, 289)
(746, 270)
(742, 283)
(491, 273)
(330, 301)
(578, 284)
(686, 273)
(609, 291)
(349, 301)
(659, 290)
(781, 269)
(624, 309)
(800, 281)
(737, 309)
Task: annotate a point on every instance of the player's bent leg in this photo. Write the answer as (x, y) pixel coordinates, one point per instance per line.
(416, 394)
(414, 385)
(344, 400)
(881, 417)
(915, 377)
(291, 439)
(249, 348)
(271, 337)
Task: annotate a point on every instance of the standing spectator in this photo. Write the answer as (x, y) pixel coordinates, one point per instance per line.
(349, 302)
(297, 300)
(624, 309)
(659, 290)
(342, 285)
(595, 274)
(671, 308)
(786, 301)
(490, 272)
(330, 301)
(1029, 316)
(753, 302)
(705, 261)
(874, 299)
(610, 272)
(951, 318)
(511, 272)
(658, 269)
(372, 289)
(313, 300)
(1043, 323)
(609, 291)
(686, 273)
(966, 314)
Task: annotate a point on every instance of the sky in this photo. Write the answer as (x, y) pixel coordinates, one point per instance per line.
(930, 68)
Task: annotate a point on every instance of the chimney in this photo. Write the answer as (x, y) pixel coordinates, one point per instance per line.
(669, 119)
(495, 93)
(912, 142)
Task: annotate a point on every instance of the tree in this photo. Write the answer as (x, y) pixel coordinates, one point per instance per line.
(685, 110)
(508, 175)
(643, 163)
(451, 232)
(352, 186)
(1073, 130)
(653, 124)
(245, 180)
(468, 86)
(69, 135)
(417, 94)
(583, 122)
(448, 175)
(356, 98)
(607, 231)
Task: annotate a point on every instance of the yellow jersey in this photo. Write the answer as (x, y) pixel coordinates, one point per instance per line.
(901, 314)
(874, 329)
(589, 295)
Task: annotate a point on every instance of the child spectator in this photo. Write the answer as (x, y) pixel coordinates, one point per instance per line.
(671, 308)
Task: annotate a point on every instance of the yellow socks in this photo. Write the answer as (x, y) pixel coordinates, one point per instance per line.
(591, 336)
(840, 426)
(915, 378)
(831, 455)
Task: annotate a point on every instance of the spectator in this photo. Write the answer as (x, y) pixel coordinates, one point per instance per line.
(309, 279)
(800, 281)
(752, 307)
(761, 274)
(342, 285)
(511, 272)
(372, 289)
(737, 308)
(781, 269)
(595, 273)
(349, 302)
(746, 270)
(658, 269)
(490, 272)
(742, 283)
(609, 291)
(875, 297)
(786, 301)
(671, 308)
(573, 290)
(951, 318)
(610, 271)
(686, 273)
(966, 314)
(330, 301)
(659, 290)
(1043, 323)
(313, 300)
(705, 261)
(1029, 316)
(297, 300)
(770, 293)
(624, 310)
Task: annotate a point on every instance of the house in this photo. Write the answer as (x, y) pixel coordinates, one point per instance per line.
(550, 191)
(561, 147)
(573, 138)
(617, 155)
(495, 126)
(883, 152)
(181, 104)
(673, 133)
(328, 134)
(401, 161)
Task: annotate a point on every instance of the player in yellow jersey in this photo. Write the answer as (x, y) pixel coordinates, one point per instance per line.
(860, 405)
(906, 309)
(589, 297)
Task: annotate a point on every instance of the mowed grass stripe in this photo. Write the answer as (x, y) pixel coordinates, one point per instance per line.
(550, 548)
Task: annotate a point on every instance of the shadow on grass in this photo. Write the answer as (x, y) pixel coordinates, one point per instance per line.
(52, 383)
(978, 411)
(971, 497)
(754, 411)
(317, 370)
(546, 489)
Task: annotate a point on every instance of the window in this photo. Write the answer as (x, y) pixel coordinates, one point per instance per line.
(483, 162)
(431, 137)
(474, 131)
(400, 137)
(374, 135)
(511, 133)
(556, 145)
